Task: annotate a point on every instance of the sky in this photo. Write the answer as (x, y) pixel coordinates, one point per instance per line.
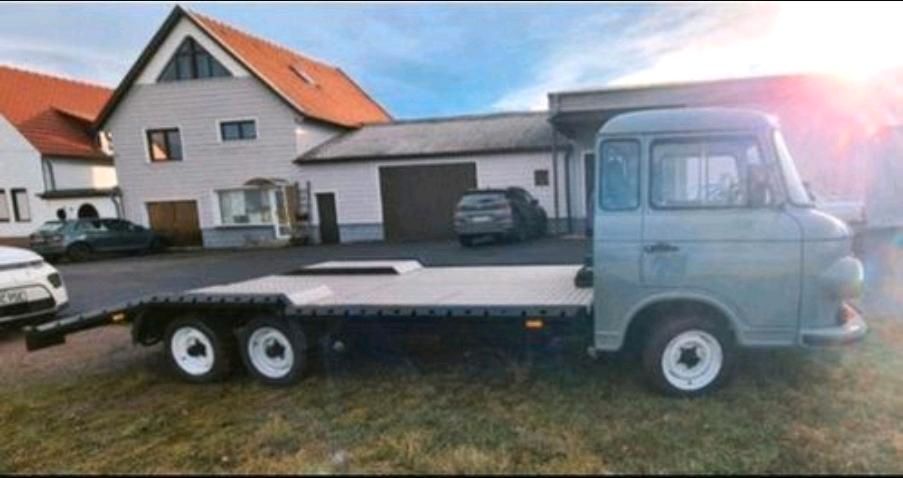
(441, 59)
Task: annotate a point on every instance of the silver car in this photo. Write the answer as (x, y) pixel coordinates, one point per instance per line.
(510, 213)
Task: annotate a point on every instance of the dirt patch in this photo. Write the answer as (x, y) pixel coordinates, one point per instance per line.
(99, 350)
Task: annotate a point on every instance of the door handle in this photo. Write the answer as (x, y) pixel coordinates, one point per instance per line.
(660, 247)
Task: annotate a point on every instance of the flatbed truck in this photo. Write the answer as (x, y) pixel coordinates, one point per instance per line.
(704, 240)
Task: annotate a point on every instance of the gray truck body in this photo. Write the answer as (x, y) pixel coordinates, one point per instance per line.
(700, 219)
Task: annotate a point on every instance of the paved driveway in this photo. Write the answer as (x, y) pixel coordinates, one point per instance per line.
(96, 284)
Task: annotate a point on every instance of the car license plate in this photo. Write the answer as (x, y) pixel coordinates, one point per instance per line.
(11, 297)
(482, 219)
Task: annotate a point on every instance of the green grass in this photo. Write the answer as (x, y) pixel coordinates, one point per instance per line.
(786, 411)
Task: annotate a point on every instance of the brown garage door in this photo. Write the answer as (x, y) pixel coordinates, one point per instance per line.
(177, 221)
(419, 201)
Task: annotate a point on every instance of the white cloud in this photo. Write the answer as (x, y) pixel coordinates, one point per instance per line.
(683, 43)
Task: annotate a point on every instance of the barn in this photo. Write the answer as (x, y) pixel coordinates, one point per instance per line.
(400, 181)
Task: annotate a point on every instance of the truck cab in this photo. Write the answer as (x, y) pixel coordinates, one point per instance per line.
(705, 239)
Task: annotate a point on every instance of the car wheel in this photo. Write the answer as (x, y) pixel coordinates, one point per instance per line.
(79, 252)
(520, 232)
(466, 241)
(688, 356)
(275, 351)
(198, 352)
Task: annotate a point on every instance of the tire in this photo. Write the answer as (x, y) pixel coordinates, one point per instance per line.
(688, 356)
(543, 228)
(520, 232)
(275, 351)
(466, 241)
(79, 252)
(156, 245)
(199, 353)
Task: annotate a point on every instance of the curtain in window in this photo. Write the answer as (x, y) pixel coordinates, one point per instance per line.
(245, 206)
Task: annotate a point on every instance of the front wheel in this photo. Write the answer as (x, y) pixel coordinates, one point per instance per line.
(688, 356)
(79, 252)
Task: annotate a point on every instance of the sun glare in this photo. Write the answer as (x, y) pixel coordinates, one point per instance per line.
(854, 41)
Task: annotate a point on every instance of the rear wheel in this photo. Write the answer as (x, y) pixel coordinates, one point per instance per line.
(688, 356)
(79, 252)
(275, 351)
(466, 241)
(197, 352)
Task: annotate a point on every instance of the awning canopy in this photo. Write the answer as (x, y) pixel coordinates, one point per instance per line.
(263, 182)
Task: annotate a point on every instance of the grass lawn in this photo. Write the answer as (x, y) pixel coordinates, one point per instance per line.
(786, 411)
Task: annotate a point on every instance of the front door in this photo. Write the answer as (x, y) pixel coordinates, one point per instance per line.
(712, 226)
(329, 224)
(618, 220)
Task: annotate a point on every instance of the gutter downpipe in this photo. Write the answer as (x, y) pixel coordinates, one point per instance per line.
(555, 177)
(567, 189)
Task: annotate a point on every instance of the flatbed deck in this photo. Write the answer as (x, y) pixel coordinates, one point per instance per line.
(367, 289)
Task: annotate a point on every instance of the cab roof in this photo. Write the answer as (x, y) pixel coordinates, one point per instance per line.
(674, 120)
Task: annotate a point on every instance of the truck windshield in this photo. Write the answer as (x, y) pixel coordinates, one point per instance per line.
(795, 188)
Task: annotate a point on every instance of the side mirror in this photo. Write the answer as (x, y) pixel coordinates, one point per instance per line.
(534, 202)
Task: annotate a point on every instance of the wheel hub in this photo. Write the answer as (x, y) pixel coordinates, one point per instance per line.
(270, 352)
(196, 349)
(192, 350)
(692, 360)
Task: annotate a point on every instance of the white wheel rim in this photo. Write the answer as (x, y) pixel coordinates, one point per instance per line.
(270, 352)
(692, 360)
(192, 351)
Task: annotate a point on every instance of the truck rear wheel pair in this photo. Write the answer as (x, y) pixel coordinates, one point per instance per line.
(274, 351)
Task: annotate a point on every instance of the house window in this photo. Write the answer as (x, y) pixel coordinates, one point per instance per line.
(238, 130)
(541, 177)
(191, 62)
(4, 207)
(20, 205)
(245, 207)
(164, 145)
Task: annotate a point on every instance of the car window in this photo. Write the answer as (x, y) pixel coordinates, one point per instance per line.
(51, 226)
(481, 200)
(91, 226)
(116, 225)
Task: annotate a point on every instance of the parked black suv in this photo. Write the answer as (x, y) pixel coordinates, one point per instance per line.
(499, 213)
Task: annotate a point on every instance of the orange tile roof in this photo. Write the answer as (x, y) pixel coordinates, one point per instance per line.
(316, 89)
(54, 114)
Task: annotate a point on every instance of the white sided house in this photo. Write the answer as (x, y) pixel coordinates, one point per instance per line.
(52, 165)
(401, 181)
(206, 125)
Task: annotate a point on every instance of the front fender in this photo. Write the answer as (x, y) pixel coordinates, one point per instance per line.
(678, 295)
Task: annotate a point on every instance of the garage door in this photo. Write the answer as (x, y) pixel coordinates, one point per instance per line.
(418, 202)
(177, 221)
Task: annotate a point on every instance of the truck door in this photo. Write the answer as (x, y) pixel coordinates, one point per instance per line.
(617, 237)
(712, 225)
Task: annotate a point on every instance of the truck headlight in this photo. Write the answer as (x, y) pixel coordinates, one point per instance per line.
(844, 278)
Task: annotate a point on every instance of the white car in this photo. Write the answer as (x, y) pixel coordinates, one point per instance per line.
(30, 289)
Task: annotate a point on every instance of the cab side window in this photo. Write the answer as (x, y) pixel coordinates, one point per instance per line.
(716, 173)
(619, 175)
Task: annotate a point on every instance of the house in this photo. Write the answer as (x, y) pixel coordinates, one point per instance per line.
(400, 181)
(829, 126)
(53, 166)
(205, 126)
